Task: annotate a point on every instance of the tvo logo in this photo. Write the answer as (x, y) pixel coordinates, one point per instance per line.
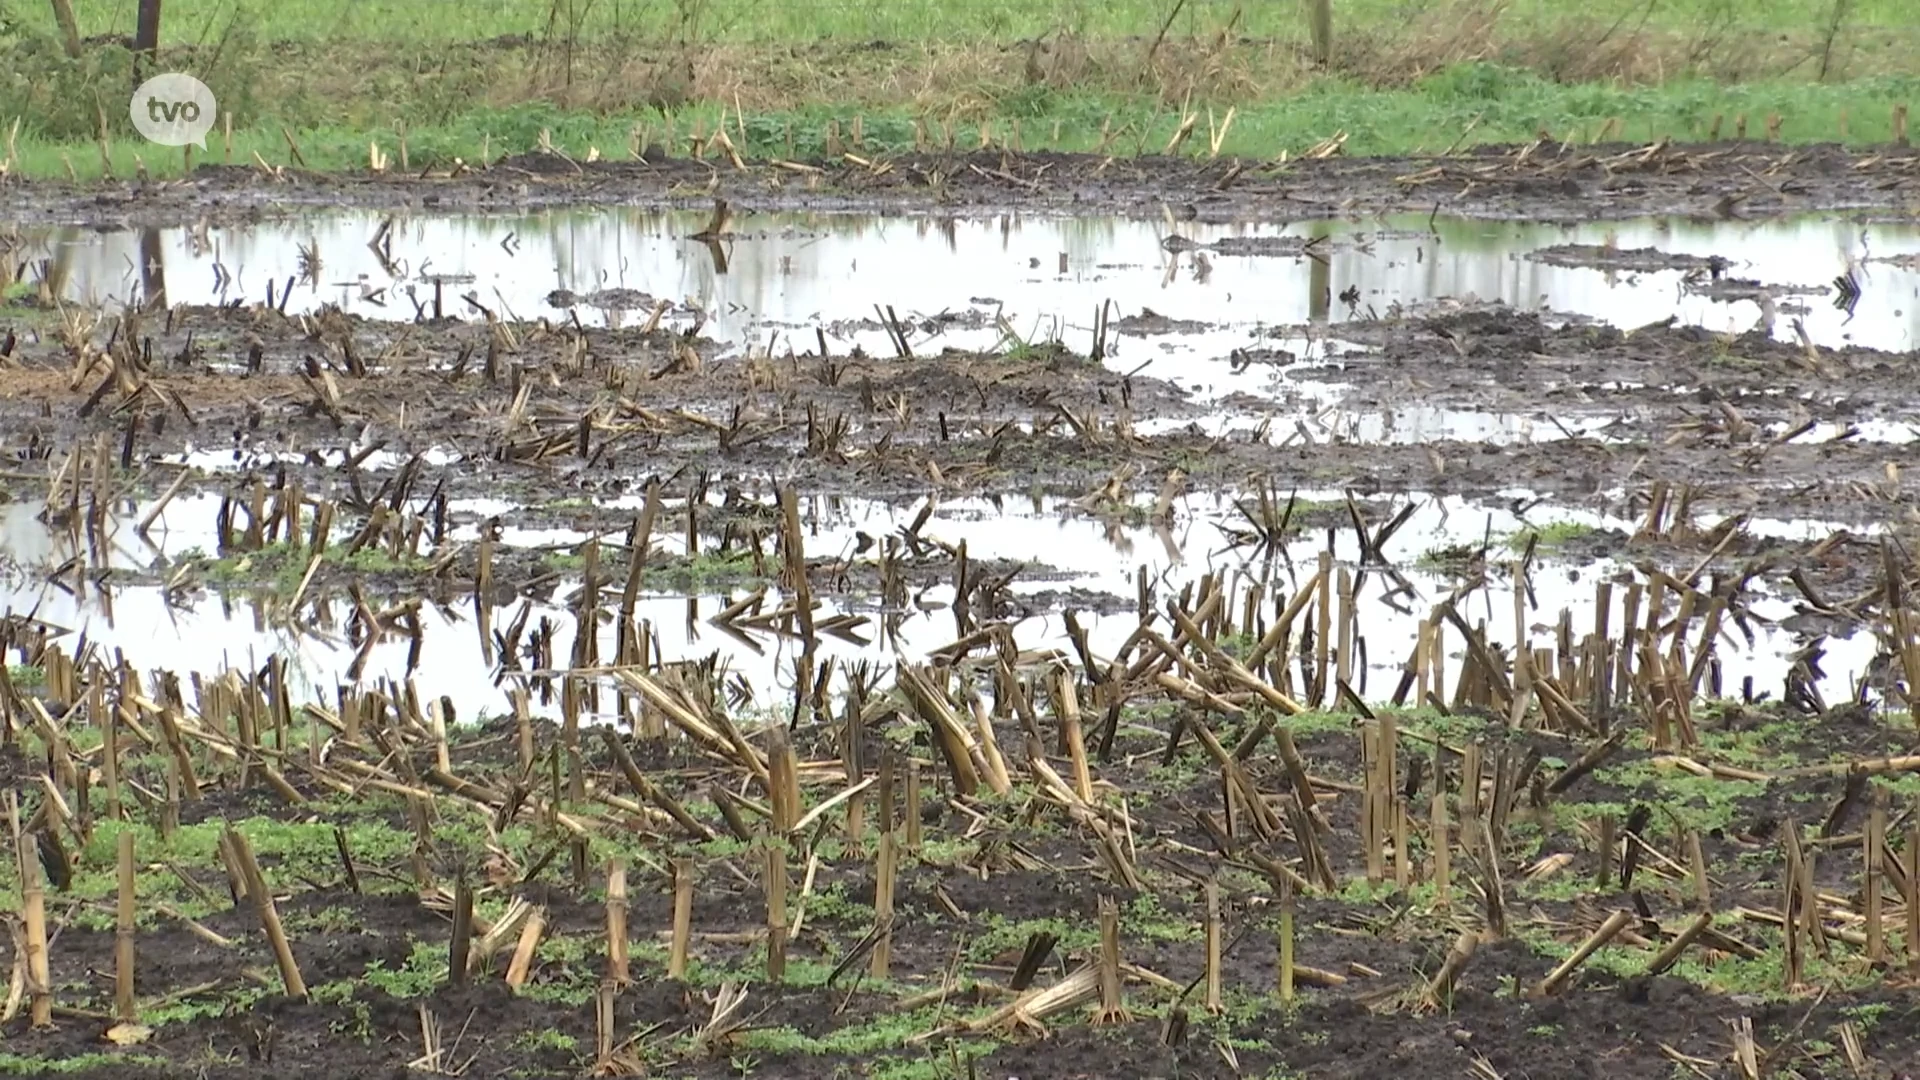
(167, 112)
(173, 110)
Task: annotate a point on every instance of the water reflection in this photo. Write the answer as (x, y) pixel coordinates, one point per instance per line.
(786, 274)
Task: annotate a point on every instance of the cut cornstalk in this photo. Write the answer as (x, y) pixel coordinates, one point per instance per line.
(682, 918)
(913, 804)
(1608, 930)
(1913, 898)
(617, 923)
(1439, 989)
(460, 946)
(1113, 1007)
(1873, 849)
(783, 781)
(776, 890)
(1286, 945)
(1439, 839)
(1215, 961)
(33, 908)
(885, 869)
(1069, 703)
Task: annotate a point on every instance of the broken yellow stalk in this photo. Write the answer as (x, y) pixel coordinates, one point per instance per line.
(33, 911)
(1608, 930)
(522, 962)
(123, 1003)
(776, 883)
(249, 868)
(886, 866)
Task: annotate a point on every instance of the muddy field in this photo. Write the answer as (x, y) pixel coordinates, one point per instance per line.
(1543, 182)
(373, 957)
(907, 606)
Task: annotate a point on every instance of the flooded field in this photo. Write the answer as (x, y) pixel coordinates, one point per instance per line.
(1172, 567)
(771, 279)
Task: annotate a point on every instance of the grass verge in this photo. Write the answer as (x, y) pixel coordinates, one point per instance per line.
(493, 78)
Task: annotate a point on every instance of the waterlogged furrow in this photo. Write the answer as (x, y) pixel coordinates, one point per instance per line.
(1085, 558)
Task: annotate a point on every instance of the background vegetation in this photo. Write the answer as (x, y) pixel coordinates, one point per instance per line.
(473, 77)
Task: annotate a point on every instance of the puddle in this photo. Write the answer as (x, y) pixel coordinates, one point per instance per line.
(1405, 426)
(244, 458)
(1873, 431)
(28, 545)
(1089, 554)
(785, 276)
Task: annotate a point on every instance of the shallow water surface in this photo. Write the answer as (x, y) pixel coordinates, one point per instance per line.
(1078, 552)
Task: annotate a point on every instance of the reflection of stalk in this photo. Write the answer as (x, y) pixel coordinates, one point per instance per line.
(715, 231)
(717, 224)
(153, 274)
(288, 638)
(1319, 280)
(61, 265)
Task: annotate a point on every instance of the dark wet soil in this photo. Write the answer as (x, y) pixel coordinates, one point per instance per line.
(971, 898)
(1543, 182)
(589, 414)
(1664, 380)
(1629, 260)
